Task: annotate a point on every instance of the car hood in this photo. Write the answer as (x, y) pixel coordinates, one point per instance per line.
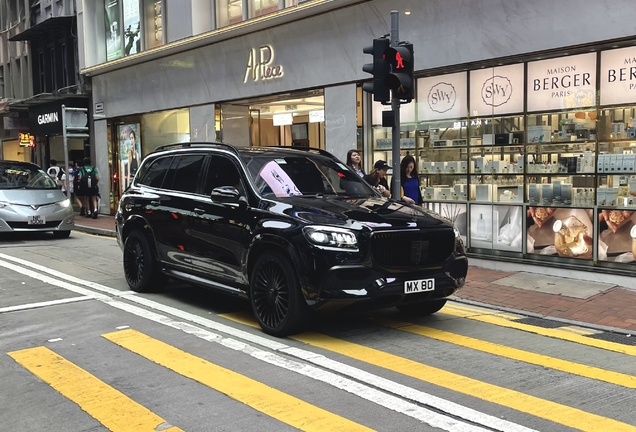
(31, 196)
(374, 213)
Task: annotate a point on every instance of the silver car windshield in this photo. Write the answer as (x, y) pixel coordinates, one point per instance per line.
(22, 176)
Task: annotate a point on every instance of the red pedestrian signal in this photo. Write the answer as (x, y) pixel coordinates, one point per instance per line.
(399, 61)
(400, 80)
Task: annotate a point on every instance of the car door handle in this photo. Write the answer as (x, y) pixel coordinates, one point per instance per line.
(199, 211)
(155, 203)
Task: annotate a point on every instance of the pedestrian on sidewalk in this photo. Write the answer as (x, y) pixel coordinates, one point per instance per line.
(89, 177)
(79, 196)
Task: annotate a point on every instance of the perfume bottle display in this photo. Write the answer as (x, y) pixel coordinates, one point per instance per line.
(570, 236)
(481, 226)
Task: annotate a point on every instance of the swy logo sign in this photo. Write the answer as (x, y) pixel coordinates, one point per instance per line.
(442, 97)
(259, 65)
(496, 91)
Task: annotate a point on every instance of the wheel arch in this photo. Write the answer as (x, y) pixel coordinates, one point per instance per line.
(139, 223)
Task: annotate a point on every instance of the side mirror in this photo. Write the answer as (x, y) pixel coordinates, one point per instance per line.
(225, 194)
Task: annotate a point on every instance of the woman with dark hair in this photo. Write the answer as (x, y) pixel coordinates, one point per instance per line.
(377, 178)
(354, 161)
(409, 181)
(133, 158)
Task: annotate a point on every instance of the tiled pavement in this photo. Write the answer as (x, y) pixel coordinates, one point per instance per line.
(607, 306)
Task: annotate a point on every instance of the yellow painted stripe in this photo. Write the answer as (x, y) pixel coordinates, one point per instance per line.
(108, 406)
(514, 353)
(578, 330)
(281, 406)
(552, 411)
(553, 333)
(469, 309)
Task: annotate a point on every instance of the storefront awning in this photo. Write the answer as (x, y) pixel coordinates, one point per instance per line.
(45, 28)
(43, 98)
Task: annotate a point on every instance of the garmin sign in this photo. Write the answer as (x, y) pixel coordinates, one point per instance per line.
(48, 118)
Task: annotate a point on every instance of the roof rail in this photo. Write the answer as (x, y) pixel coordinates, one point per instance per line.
(196, 144)
(306, 148)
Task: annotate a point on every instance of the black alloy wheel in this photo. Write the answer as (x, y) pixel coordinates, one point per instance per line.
(140, 267)
(422, 309)
(276, 297)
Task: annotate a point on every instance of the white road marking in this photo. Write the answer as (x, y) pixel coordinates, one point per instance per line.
(55, 340)
(404, 392)
(37, 305)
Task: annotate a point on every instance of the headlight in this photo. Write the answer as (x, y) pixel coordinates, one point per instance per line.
(64, 203)
(457, 233)
(3, 205)
(331, 237)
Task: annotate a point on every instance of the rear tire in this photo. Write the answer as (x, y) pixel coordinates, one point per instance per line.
(426, 308)
(141, 269)
(277, 299)
(61, 234)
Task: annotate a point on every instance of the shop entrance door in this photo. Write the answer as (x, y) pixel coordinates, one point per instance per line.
(255, 127)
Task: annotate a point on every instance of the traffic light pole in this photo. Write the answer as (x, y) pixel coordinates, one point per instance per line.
(395, 105)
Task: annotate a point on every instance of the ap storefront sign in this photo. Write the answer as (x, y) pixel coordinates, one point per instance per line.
(562, 83)
(496, 91)
(442, 97)
(618, 76)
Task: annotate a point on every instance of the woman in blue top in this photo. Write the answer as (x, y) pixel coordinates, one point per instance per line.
(409, 181)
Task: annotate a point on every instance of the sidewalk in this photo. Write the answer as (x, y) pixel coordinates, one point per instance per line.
(605, 306)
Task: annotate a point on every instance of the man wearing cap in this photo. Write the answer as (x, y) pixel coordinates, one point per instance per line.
(377, 178)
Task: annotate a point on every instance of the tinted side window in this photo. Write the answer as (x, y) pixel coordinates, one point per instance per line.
(222, 172)
(186, 172)
(154, 174)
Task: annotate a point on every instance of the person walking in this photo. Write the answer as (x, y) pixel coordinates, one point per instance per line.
(79, 196)
(377, 178)
(409, 181)
(89, 177)
(354, 161)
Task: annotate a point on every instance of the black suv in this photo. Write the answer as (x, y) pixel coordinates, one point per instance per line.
(293, 230)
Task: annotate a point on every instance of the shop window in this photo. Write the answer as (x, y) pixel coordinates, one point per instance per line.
(165, 127)
(64, 66)
(41, 75)
(262, 7)
(132, 27)
(153, 19)
(291, 3)
(112, 21)
(229, 12)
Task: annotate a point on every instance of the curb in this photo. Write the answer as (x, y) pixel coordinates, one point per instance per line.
(95, 231)
(537, 315)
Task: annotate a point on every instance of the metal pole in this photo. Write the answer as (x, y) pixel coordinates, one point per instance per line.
(395, 105)
(67, 175)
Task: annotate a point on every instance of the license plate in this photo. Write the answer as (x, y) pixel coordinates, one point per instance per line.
(420, 285)
(36, 220)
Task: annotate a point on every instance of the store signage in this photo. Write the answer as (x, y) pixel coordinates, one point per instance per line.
(562, 83)
(317, 116)
(618, 76)
(442, 97)
(495, 91)
(48, 118)
(283, 119)
(27, 140)
(259, 65)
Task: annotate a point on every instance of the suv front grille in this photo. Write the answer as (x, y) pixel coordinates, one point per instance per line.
(412, 248)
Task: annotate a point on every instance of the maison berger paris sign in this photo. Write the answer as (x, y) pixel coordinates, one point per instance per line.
(618, 76)
(442, 97)
(260, 65)
(562, 83)
(496, 90)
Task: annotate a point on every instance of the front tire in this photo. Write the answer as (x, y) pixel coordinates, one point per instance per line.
(141, 269)
(426, 308)
(277, 299)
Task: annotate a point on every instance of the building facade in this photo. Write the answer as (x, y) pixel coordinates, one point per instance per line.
(40, 69)
(521, 128)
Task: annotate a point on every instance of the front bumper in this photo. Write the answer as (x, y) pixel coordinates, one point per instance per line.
(363, 287)
(56, 218)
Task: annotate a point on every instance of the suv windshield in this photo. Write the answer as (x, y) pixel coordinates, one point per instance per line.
(303, 174)
(21, 176)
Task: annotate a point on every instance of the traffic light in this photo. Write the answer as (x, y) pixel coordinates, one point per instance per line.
(400, 79)
(379, 69)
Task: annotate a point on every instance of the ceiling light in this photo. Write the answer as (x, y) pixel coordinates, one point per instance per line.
(407, 12)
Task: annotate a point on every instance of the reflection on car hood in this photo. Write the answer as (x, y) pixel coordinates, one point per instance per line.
(374, 213)
(31, 196)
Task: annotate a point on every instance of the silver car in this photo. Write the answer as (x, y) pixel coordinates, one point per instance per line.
(31, 201)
